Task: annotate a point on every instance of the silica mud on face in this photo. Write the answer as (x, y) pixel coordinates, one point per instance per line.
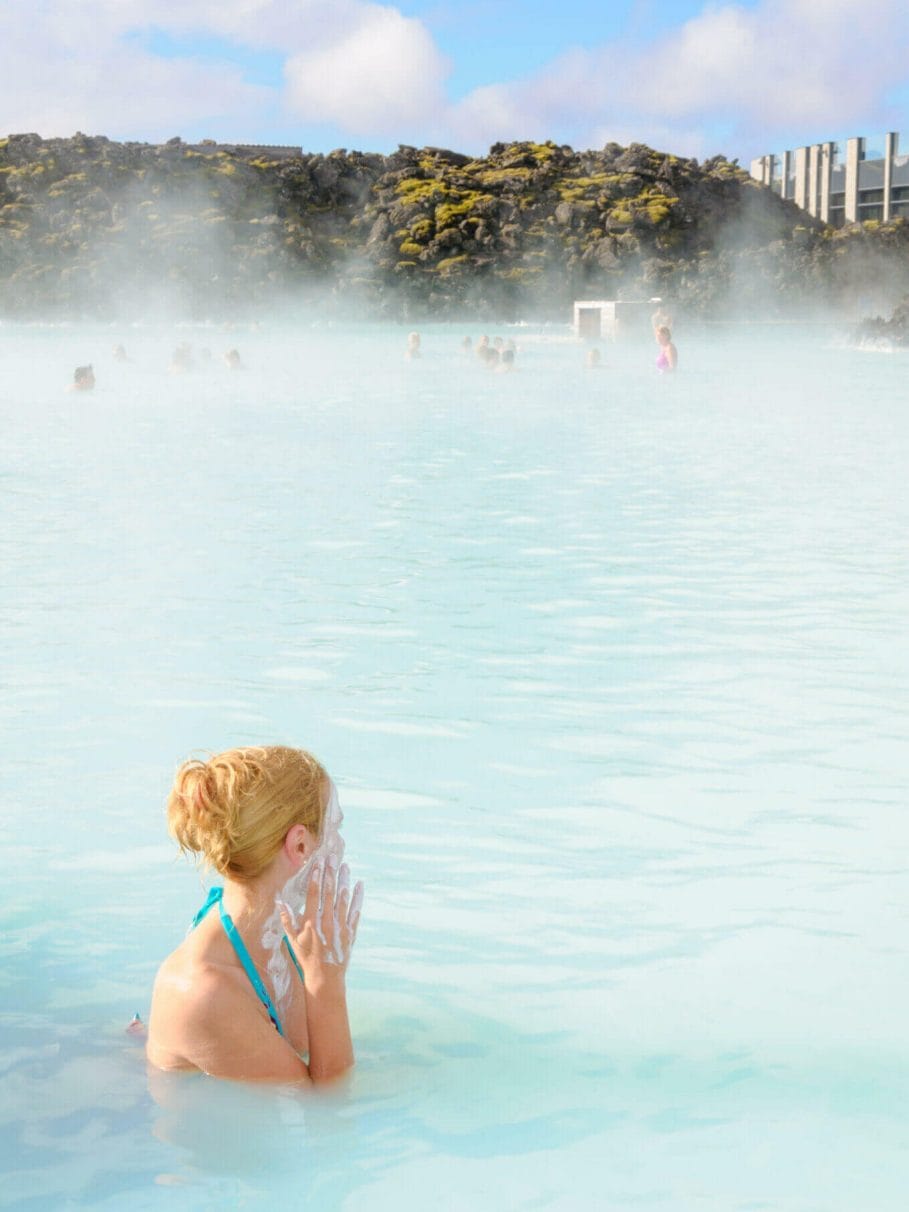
(329, 852)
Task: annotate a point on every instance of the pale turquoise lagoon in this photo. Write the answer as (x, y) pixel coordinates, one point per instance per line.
(611, 672)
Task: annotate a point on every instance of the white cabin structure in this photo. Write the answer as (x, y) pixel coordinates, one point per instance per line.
(606, 319)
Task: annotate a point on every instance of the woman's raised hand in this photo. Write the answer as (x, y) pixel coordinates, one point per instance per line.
(323, 941)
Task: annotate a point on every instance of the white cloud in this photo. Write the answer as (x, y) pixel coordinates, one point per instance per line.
(784, 61)
(732, 78)
(382, 74)
(756, 72)
(64, 67)
(358, 65)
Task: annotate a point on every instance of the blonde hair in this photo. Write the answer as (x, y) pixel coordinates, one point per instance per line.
(234, 810)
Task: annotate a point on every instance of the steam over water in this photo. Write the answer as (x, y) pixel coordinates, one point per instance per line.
(610, 671)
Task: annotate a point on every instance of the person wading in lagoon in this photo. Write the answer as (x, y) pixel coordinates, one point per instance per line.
(83, 379)
(254, 986)
(667, 358)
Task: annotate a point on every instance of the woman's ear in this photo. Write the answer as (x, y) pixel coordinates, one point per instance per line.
(299, 844)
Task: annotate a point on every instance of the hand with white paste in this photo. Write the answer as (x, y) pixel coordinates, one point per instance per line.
(322, 941)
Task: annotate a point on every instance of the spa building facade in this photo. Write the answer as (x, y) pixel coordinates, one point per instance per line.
(848, 182)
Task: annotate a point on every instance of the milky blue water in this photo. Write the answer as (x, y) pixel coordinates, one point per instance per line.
(611, 673)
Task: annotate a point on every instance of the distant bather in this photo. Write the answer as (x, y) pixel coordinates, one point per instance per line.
(83, 379)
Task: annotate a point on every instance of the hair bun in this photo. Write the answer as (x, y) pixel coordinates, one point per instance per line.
(202, 811)
(235, 809)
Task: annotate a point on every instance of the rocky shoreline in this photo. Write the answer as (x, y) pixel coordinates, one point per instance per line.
(876, 332)
(94, 228)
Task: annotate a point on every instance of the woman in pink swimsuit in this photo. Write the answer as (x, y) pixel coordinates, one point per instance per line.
(667, 358)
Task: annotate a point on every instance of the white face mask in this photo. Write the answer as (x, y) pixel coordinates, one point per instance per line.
(330, 852)
(331, 846)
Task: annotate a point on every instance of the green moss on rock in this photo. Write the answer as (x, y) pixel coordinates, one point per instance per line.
(418, 189)
(450, 264)
(448, 213)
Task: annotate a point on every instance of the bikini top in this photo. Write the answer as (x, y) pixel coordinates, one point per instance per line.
(216, 897)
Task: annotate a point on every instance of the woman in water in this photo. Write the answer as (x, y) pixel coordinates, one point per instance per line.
(667, 358)
(255, 985)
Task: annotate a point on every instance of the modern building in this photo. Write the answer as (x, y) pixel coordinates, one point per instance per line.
(869, 181)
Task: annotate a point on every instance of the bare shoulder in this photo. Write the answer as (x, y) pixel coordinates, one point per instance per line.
(205, 1016)
(186, 991)
(195, 977)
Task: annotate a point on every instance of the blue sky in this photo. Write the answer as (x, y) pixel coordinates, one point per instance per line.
(685, 76)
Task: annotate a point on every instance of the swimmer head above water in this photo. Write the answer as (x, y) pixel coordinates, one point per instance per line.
(83, 378)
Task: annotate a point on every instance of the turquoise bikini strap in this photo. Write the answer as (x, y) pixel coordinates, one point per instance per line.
(248, 966)
(294, 960)
(214, 895)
